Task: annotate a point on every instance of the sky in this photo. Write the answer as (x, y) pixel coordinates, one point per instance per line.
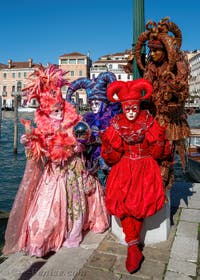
(46, 29)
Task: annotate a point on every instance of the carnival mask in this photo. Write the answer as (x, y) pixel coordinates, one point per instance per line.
(56, 113)
(96, 106)
(131, 109)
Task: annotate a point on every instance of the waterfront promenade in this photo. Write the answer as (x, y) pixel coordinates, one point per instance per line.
(101, 257)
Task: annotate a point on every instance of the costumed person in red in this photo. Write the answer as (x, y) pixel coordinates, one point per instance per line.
(131, 143)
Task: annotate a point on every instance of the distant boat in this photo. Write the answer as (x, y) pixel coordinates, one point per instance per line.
(26, 109)
(193, 155)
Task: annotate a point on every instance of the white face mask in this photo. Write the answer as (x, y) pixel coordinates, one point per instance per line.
(56, 114)
(95, 106)
(131, 115)
(130, 110)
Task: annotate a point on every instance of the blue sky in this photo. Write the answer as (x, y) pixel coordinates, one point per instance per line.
(45, 29)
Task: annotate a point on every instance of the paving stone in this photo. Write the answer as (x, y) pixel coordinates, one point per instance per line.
(92, 240)
(64, 264)
(145, 271)
(13, 258)
(176, 276)
(190, 215)
(24, 267)
(184, 249)
(181, 191)
(152, 269)
(133, 276)
(102, 261)
(187, 229)
(93, 274)
(111, 247)
(185, 268)
(193, 202)
(119, 266)
(196, 188)
(156, 254)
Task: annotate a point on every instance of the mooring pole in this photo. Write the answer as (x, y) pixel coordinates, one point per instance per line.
(0, 113)
(15, 123)
(138, 28)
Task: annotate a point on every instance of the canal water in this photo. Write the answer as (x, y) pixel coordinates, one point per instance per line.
(12, 165)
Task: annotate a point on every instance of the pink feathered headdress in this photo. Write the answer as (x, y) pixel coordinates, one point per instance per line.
(45, 85)
(120, 91)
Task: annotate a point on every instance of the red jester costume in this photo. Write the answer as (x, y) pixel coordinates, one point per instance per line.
(131, 145)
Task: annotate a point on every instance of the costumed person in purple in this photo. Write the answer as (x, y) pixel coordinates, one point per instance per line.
(98, 119)
(131, 144)
(49, 210)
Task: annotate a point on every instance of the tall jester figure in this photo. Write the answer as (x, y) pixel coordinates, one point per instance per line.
(168, 70)
(102, 110)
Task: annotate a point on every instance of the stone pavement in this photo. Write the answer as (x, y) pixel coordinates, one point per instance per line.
(101, 257)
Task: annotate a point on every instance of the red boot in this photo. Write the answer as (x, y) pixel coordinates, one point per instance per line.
(134, 258)
(132, 229)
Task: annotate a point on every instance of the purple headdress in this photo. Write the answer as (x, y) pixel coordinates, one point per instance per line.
(95, 89)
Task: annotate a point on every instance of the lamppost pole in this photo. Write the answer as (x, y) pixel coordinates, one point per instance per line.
(138, 28)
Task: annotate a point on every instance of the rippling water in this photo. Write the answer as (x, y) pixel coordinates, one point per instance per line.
(12, 165)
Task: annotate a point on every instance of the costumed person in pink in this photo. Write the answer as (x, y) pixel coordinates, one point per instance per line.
(50, 207)
(132, 142)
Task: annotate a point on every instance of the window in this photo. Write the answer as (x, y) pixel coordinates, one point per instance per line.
(13, 75)
(25, 74)
(72, 61)
(4, 88)
(64, 61)
(81, 61)
(110, 66)
(13, 88)
(19, 86)
(119, 77)
(19, 75)
(80, 73)
(5, 75)
(72, 73)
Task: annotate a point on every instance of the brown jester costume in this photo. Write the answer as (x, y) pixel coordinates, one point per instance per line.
(168, 71)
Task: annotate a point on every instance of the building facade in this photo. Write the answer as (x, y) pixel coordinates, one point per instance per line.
(115, 63)
(13, 77)
(77, 66)
(194, 81)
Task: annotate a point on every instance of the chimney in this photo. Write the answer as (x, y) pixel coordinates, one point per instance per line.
(9, 63)
(30, 62)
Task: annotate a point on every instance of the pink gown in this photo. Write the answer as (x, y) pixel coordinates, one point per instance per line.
(55, 202)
